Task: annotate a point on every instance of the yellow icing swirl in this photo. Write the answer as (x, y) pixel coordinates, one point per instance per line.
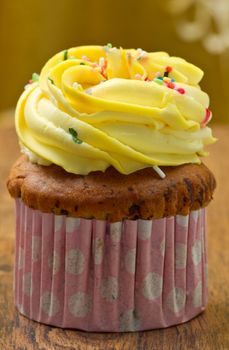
(121, 113)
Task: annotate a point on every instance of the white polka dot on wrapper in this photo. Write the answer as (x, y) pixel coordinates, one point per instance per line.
(116, 231)
(36, 248)
(130, 261)
(72, 224)
(180, 255)
(109, 288)
(27, 283)
(54, 262)
(182, 220)
(144, 229)
(197, 295)
(98, 249)
(74, 261)
(129, 321)
(196, 252)
(58, 222)
(176, 300)
(21, 258)
(50, 305)
(152, 286)
(79, 304)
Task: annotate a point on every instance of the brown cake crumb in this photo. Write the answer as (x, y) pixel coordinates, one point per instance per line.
(111, 195)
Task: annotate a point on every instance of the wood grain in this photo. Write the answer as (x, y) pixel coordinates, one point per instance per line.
(208, 331)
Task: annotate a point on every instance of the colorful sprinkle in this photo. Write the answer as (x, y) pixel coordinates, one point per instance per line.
(101, 61)
(35, 77)
(74, 134)
(158, 81)
(207, 118)
(109, 45)
(171, 85)
(65, 55)
(159, 171)
(51, 80)
(166, 79)
(141, 54)
(208, 113)
(181, 91)
(27, 86)
(168, 70)
(103, 69)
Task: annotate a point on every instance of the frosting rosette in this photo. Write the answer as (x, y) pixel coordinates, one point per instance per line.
(97, 106)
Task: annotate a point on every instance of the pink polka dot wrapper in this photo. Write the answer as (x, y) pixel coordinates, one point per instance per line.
(110, 277)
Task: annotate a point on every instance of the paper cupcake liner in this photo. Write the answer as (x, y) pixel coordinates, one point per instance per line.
(110, 277)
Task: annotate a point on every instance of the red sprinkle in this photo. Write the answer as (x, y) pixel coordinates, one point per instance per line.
(171, 85)
(169, 69)
(207, 118)
(147, 79)
(30, 81)
(104, 70)
(181, 91)
(208, 114)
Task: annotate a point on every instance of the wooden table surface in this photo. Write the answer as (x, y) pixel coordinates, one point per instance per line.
(208, 331)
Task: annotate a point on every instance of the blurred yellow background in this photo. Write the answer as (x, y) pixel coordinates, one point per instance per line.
(32, 31)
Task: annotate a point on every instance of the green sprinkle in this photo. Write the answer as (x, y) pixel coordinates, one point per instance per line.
(109, 45)
(65, 55)
(82, 64)
(159, 81)
(35, 77)
(74, 134)
(51, 80)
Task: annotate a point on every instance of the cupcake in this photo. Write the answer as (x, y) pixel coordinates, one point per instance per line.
(111, 191)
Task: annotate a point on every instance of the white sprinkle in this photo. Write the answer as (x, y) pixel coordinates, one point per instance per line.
(159, 171)
(27, 86)
(101, 61)
(75, 85)
(141, 54)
